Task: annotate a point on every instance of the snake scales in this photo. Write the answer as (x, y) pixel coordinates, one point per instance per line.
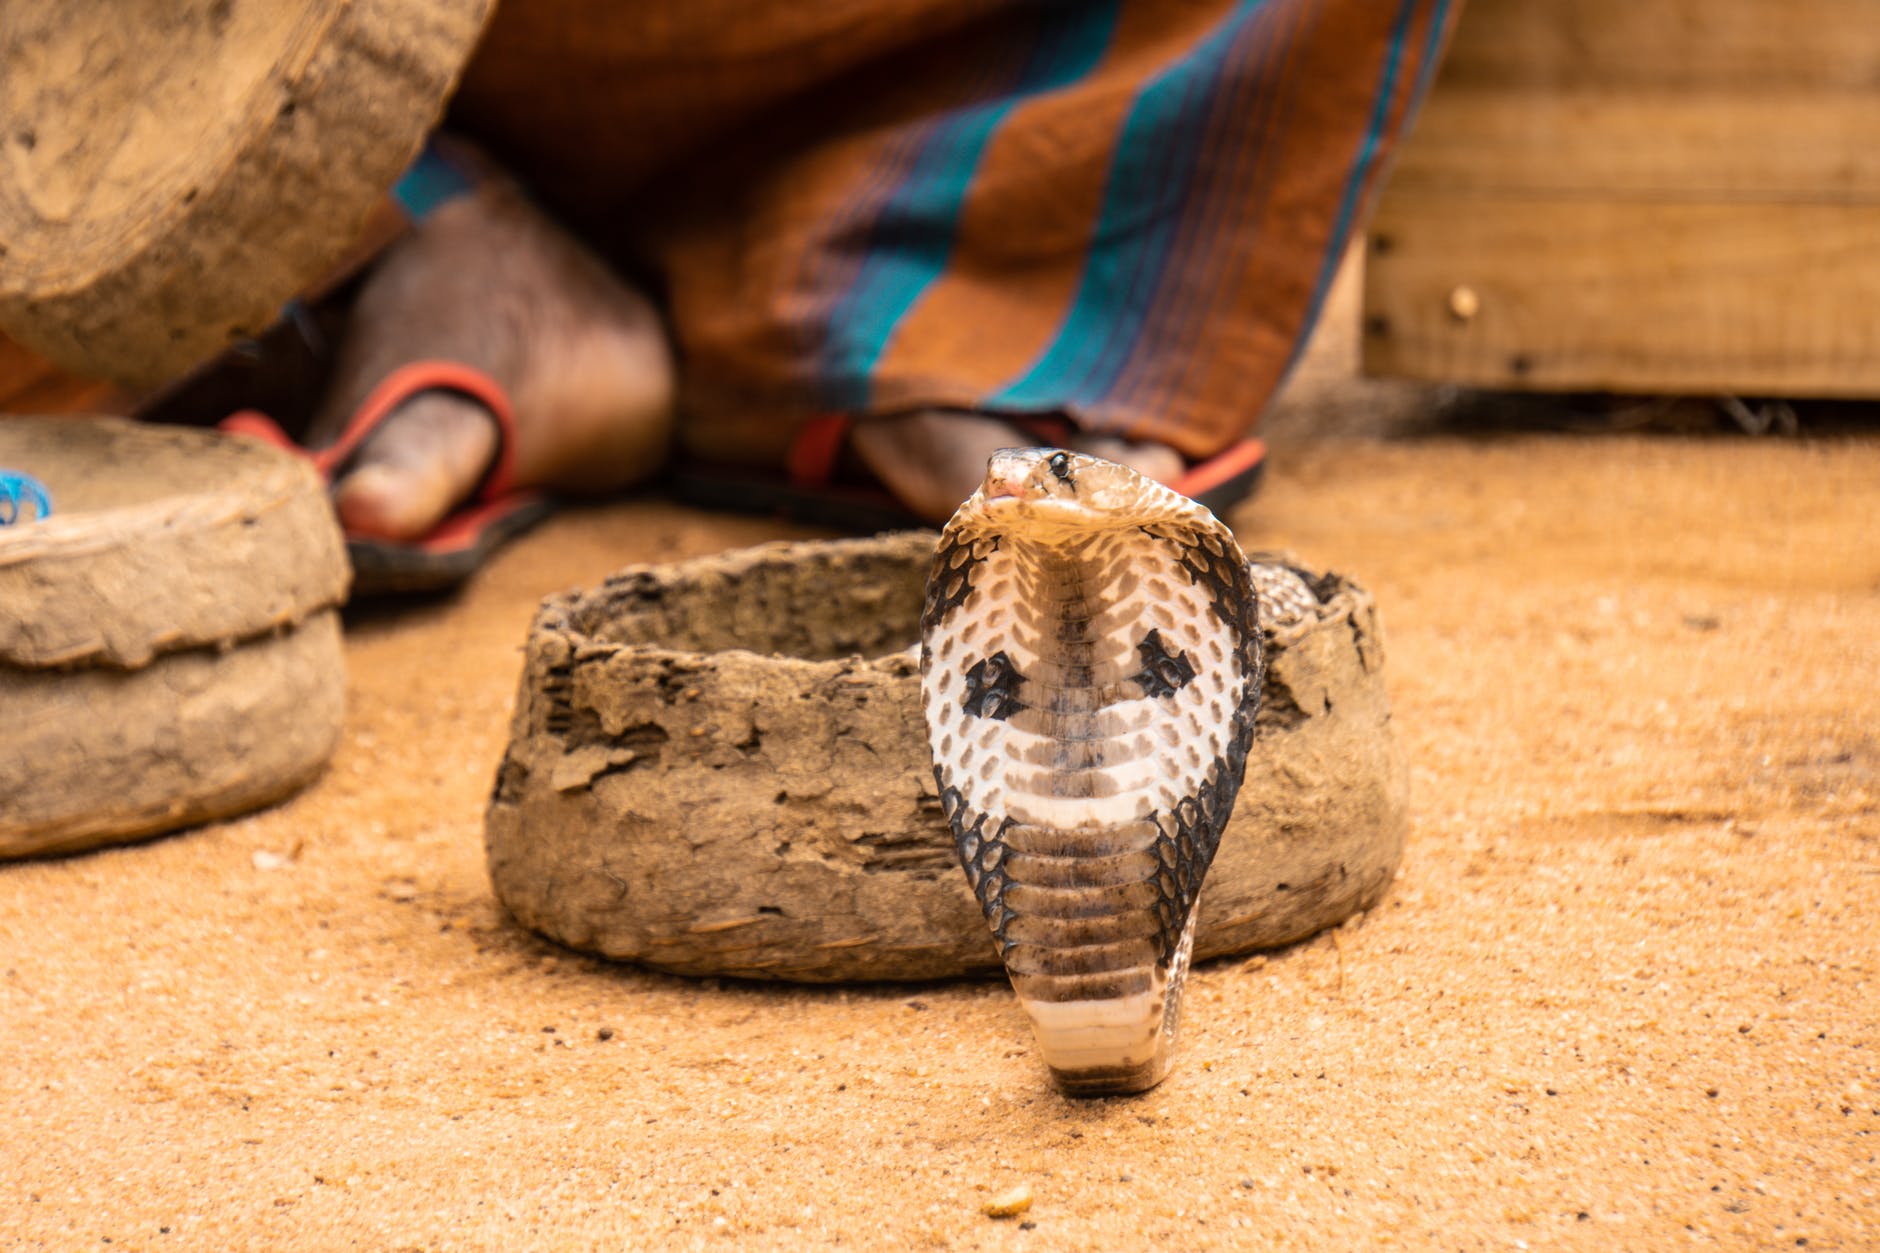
(1091, 667)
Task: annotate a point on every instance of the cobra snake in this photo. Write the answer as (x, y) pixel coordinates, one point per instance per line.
(1091, 667)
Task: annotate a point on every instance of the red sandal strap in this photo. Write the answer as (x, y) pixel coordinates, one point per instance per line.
(1210, 474)
(258, 425)
(424, 376)
(811, 460)
(392, 391)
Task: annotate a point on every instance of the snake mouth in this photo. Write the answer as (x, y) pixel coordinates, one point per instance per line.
(1050, 518)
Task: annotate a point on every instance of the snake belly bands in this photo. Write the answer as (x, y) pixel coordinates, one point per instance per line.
(1091, 666)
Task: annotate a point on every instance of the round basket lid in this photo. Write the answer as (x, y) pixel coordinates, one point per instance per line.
(161, 538)
(169, 178)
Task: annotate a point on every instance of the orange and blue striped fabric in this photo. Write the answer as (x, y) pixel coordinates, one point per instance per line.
(1124, 211)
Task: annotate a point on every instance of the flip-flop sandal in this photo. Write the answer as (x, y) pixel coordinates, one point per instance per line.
(810, 490)
(495, 513)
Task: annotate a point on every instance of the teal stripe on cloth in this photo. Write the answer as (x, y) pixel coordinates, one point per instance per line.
(1361, 164)
(430, 181)
(1426, 71)
(1217, 241)
(914, 234)
(1143, 204)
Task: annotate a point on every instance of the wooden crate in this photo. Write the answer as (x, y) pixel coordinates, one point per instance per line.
(1677, 196)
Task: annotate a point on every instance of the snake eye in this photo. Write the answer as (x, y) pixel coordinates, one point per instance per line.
(1060, 464)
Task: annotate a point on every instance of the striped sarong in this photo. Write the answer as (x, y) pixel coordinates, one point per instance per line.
(1122, 211)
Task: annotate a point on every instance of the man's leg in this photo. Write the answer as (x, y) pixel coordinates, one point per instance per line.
(488, 281)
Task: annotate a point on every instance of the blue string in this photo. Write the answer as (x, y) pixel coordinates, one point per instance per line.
(15, 487)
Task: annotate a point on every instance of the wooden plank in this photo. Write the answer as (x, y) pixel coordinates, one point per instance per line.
(1741, 45)
(1571, 294)
(1681, 195)
(1695, 99)
(1661, 143)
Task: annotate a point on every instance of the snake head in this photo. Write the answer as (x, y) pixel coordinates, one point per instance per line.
(1053, 485)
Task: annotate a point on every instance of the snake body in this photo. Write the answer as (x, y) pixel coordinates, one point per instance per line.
(1091, 665)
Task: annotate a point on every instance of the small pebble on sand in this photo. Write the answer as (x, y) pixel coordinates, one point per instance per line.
(1011, 1203)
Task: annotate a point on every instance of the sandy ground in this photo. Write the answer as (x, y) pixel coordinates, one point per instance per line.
(1624, 994)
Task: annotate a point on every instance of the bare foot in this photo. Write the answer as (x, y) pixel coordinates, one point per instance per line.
(488, 281)
(932, 461)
